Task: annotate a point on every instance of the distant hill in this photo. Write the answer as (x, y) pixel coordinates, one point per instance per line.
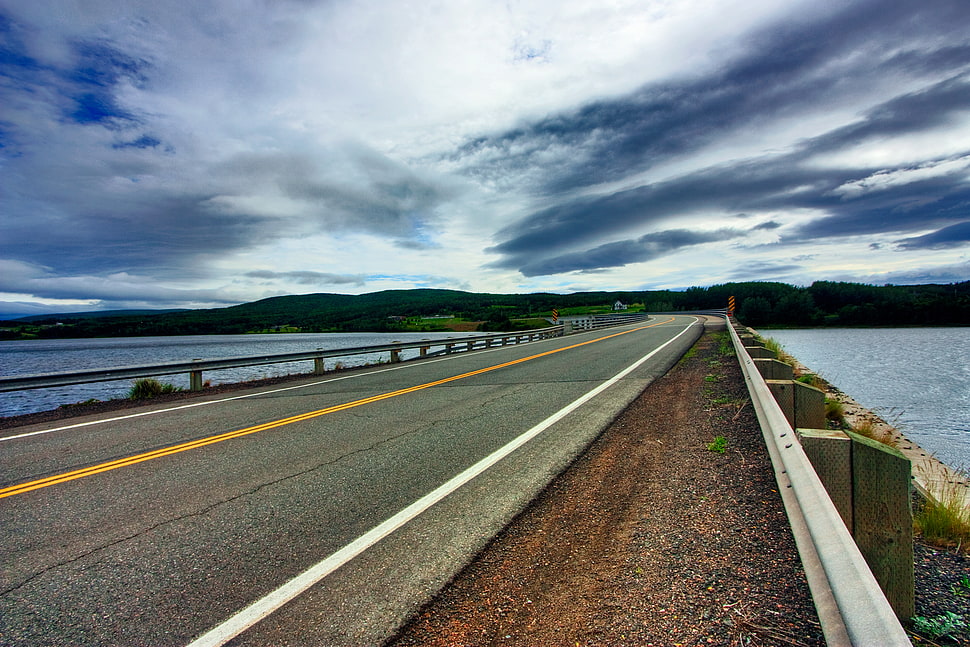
(824, 303)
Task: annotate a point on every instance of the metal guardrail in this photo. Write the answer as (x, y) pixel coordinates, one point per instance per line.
(851, 607)
(195, 367)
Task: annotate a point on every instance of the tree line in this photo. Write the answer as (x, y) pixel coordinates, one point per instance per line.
(823, 303)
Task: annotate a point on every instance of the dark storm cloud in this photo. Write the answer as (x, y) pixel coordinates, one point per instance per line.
(953, 236)
(163, 234)
(788, 72)
(369, 192)
(764, 270)
(625, 252)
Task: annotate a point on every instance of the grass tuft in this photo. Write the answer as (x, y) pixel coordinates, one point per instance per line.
(150, 388)
(835, 411)
(945, 521)
(868, 428)
(718, 445)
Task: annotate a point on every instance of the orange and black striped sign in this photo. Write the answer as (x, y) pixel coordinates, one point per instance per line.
(730, 308)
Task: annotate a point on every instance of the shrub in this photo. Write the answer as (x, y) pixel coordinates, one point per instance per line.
(149, 388)
(834, 411)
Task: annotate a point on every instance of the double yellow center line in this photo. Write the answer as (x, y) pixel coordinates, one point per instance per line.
(211, 440)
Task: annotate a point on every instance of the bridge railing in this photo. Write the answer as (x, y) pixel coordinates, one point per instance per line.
(851, 607)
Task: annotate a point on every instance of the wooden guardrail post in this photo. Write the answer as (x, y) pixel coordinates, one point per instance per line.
(759, 352)
(195, 381)
(869, 483)
(772, 369)
(883, 518)
(319, 367)
(802, 404)
(830, 452)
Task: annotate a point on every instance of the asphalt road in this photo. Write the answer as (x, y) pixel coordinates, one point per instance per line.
(321, 513)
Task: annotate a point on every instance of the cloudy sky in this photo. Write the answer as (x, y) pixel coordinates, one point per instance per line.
(166, 153)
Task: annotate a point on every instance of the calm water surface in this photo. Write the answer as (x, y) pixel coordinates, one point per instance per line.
(30, 357)
(915, 378)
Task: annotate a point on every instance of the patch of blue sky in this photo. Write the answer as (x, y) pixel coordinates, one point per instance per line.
(105, 66)
(145, 141)
(95, 108)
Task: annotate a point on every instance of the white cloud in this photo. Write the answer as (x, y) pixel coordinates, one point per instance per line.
(319, 141)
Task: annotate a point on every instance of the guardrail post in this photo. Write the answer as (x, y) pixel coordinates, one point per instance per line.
(319, 368)
(784, 394)
(395, 356)
(809, 406)
(869, 483)
(759, 352)
(449, 348)
(424, 351)
(772, 369)
(802, 404)
(884, 518)
(830, 452)
(195, 381)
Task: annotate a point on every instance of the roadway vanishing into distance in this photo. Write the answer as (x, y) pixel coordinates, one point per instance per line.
(323, 512)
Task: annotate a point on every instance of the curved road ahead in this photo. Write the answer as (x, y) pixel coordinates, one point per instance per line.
(323, 513)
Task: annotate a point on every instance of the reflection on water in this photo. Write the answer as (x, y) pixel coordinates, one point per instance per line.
(915, 378)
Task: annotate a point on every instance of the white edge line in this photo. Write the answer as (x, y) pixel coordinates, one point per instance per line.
(249, 616)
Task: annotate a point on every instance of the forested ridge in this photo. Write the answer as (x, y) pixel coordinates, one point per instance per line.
(824, 303)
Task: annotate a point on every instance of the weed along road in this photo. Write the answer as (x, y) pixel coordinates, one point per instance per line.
(321, 512)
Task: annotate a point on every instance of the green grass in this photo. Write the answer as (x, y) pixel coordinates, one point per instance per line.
(869, 429)
(812, 379)
(835, 411)
(690, 354)
(945, 522)
(718, 445)
(150, 388)
(775, 347)
(946, 625)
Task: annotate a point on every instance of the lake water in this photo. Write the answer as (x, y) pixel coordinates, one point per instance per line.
(31, 357)
(917, 379)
